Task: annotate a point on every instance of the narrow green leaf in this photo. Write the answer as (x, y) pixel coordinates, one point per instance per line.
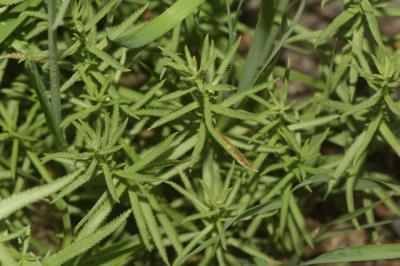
(186, 253)
(109, 181)
(68, 155)
(226, 62)
(237, 97)
(85, 244)
(261, 46)
(45, 104)
(101, 14)
(61, 13)
(107, 58)
(117, 31)
(176, 94)
(198, 148)
(14, 157)
(364, 105)
(392, 105)
(369, 13)
(236, 114)
(154, 231)
(152, 155)
(313, 123)
(358, 253)
(338, 22)
(193, 198)
(97, 214)
(140, 222)
(300, 221)
(390, 138)
(175, 115)
(81, 180)
(20, 200)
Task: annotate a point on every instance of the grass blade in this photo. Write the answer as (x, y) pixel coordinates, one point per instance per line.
(359, 253)
(160, 25)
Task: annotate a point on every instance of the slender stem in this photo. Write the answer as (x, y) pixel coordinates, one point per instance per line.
(55, 99)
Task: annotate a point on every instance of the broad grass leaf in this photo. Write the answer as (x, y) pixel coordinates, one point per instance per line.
(160, 25)
(262, 44)
(5, 256)
(358, 253)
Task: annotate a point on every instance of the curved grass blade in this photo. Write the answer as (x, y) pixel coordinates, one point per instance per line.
(262, 44)
(160, 25)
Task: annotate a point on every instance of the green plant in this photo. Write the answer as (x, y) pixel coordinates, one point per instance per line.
(210, 160)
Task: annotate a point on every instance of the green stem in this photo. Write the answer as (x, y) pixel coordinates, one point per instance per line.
(53, 66)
